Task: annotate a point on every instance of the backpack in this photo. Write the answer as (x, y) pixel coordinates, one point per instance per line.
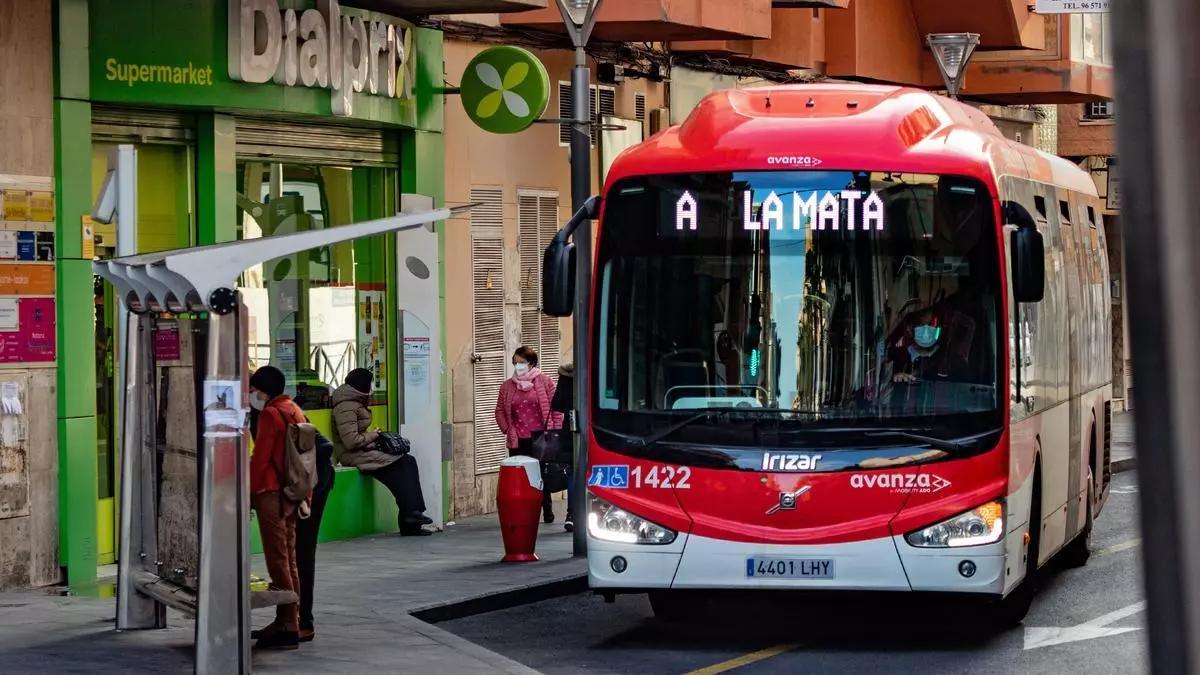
(300, 461)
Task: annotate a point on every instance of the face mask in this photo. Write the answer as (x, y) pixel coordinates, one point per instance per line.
(521, 368)
(926, 336)
(256, 402)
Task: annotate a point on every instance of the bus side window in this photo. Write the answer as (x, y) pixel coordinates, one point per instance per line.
(1032, 365)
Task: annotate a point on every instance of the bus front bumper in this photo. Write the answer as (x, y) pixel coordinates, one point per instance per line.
(883, 564)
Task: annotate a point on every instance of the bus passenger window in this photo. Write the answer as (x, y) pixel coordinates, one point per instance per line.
(1064, 210)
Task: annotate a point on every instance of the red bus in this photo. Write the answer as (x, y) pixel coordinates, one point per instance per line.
(842, 337)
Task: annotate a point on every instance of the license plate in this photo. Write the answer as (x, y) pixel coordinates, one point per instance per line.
(790, 568)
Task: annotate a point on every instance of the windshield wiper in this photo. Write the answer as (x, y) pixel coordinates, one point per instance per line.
(947, 444)
(652, 439)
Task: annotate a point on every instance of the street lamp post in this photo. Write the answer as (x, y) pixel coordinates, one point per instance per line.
(580, 17)
(952, 52)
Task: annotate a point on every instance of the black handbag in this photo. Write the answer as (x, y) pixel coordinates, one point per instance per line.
(392, 444)
(554, 445)
(555, 476)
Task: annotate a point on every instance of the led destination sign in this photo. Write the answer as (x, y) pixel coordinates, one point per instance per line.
(847, 210)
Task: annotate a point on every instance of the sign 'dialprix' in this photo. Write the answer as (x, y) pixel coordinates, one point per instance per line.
(505, 89)
(318, 48)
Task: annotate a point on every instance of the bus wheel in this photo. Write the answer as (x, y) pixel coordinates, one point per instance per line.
(1011, 610)
(1076, 553)
(673, 607)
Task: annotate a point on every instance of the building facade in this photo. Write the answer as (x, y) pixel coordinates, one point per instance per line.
(29, 460)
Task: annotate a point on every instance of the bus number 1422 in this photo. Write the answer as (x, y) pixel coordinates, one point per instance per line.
(666, 477)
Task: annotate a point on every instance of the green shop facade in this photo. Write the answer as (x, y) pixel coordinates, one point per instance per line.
(269, 117)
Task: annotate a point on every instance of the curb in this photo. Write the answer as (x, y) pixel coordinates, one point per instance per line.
(449, 640)
(1124, 464)
(505, 599)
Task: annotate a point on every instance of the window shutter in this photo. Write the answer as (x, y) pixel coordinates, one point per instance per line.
(528, 247)
(604, 103)
(639, 107)
(537, 213)
(123, 125)
(592, 112)
(316, 143)
(487, 277)
(490, 212)
(607, 96)
(550, 333)
(564, 112)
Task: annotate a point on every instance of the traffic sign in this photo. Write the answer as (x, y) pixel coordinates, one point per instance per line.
(505, 89)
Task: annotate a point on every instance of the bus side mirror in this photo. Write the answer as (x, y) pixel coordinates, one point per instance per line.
(1028, 253)
(558, 278)
(558, 263)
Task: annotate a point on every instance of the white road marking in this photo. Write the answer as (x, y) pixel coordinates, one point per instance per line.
(1117, 548)
(1131, 490)
(1089, 630)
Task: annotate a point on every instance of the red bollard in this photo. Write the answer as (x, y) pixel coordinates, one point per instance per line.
(519, 502)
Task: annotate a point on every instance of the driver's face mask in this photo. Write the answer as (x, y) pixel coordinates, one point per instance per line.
(926, 335)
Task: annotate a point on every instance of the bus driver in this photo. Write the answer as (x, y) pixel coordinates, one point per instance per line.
(934, 343)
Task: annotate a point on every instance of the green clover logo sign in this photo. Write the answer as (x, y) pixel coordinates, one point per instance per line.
(491, 103)
(508, 103)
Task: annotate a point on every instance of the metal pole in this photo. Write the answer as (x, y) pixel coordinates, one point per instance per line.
(223, 600)
(581, 190)
(123, 160)
(138, 550)
(1156, 56)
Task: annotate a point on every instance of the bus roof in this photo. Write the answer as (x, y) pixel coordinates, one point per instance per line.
(842, 127)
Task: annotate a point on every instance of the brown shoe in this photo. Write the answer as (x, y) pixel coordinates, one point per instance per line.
(307, 634)
(266, 630)
(282, 639)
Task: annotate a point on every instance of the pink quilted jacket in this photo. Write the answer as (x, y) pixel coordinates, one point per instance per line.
(543, 387)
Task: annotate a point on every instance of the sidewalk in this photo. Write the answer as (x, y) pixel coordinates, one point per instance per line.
(366, 591)
(1124, 457)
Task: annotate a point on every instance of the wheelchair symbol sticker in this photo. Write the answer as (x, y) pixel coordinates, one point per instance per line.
(609, 476)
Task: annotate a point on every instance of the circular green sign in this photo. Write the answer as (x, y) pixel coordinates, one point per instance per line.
(505, 89)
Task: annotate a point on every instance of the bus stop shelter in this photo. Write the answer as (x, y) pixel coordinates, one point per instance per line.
(202, 282)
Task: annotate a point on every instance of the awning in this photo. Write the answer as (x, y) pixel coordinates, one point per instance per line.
(203, 278)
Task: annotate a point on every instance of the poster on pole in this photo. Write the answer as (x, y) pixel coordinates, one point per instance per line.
(1072, 6)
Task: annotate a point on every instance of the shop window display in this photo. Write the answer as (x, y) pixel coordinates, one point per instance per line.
(320, 314)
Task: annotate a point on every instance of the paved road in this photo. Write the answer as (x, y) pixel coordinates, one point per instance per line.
(583, 634)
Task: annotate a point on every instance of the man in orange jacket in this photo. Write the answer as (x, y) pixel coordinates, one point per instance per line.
(276, 513)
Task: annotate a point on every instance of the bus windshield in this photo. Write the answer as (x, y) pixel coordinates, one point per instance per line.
(811, 299)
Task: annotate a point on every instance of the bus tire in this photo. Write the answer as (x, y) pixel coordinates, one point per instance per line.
(673, 607)
(1011, 610)
(1077, 553)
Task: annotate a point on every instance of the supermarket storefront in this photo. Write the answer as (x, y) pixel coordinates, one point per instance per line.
(267, 117)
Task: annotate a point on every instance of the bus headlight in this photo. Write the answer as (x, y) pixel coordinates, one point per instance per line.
(981, 525)
(612, 523)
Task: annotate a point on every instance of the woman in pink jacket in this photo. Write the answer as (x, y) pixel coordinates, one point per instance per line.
(523, 410)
